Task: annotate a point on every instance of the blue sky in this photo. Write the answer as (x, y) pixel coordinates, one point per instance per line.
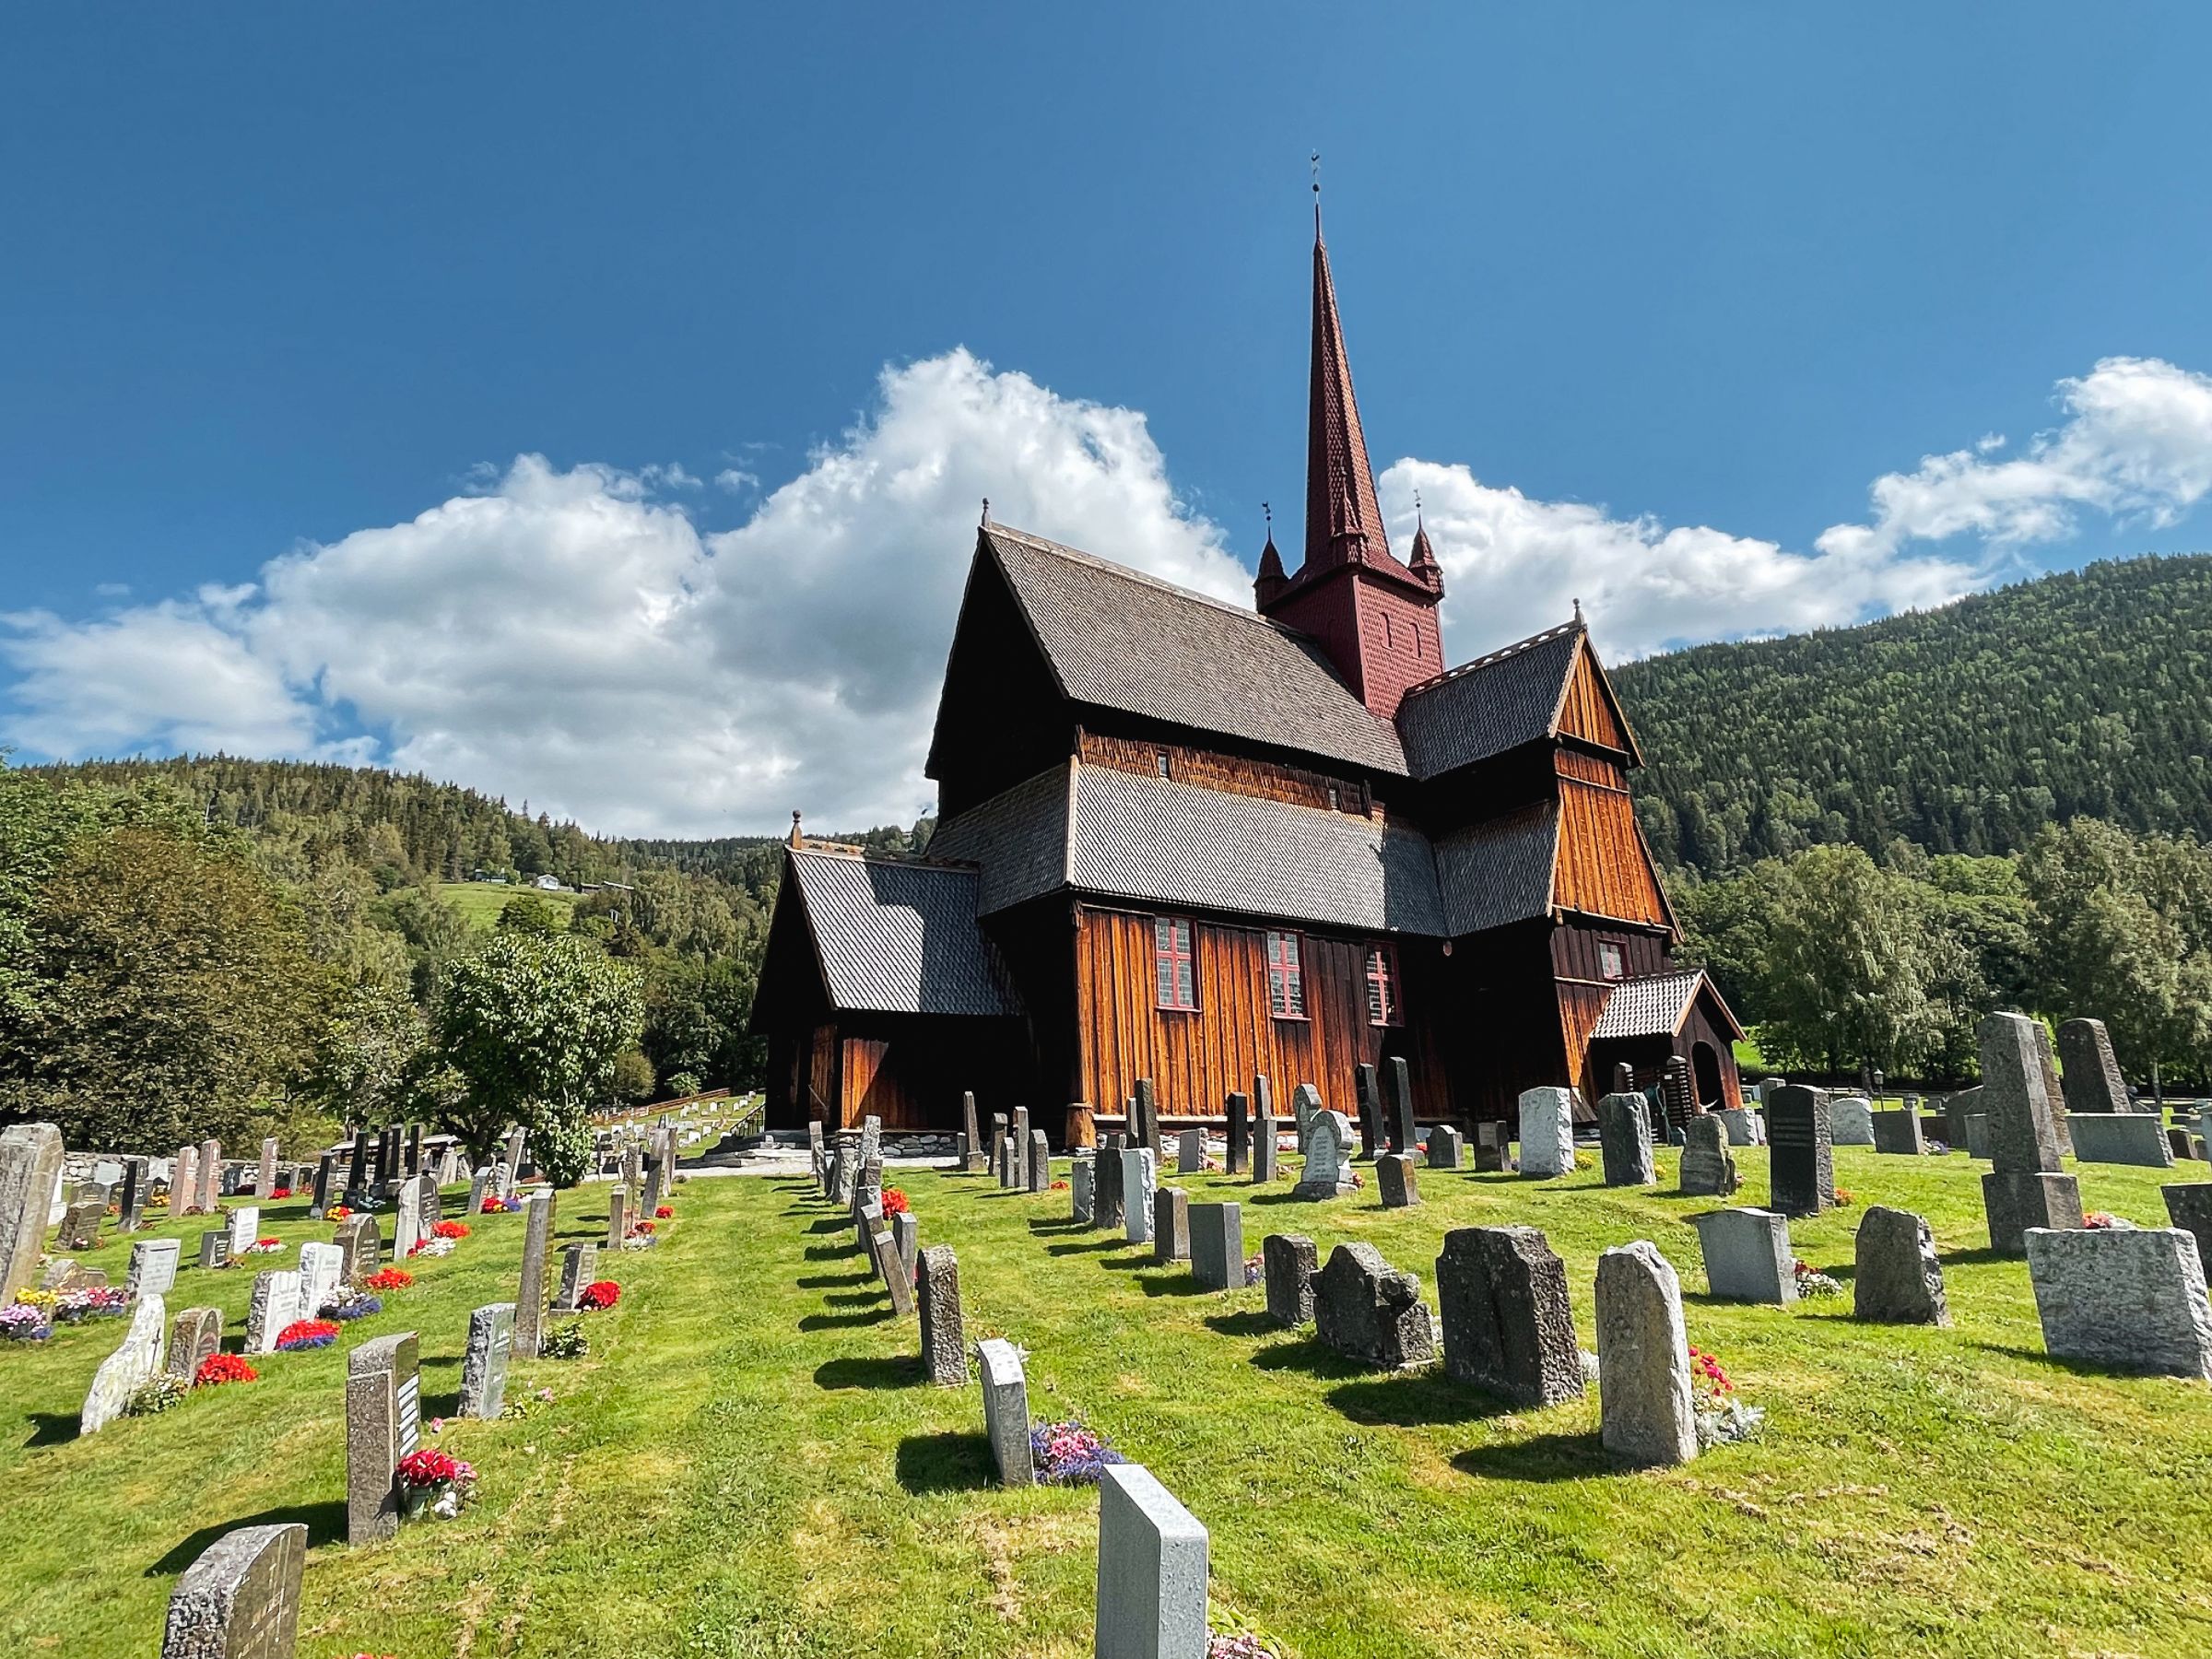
(301, 285)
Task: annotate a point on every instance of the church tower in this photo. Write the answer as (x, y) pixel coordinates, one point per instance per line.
(1373, 618)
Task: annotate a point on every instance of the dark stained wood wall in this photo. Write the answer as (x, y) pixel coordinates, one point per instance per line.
(1231, 774)
(1195, 1058)
(1603, 868)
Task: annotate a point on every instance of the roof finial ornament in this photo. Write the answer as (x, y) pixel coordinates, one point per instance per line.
(1267, 511)
(986, 512)
(1578, 610)
(1417, 508)
(794, 827)
(1316, 163)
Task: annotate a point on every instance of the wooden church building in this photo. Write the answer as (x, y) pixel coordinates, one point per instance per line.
(1184, 841)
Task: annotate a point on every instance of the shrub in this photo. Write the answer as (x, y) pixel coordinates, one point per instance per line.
(157, 1394)
(564, 1342)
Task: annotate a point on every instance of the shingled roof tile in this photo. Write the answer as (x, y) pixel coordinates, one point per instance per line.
(899, 938)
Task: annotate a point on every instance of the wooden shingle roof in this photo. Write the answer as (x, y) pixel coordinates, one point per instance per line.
(899, 937)
(1490, 705)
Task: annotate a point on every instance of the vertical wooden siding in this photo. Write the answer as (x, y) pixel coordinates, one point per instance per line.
(1587, 712)
(1195, 1058)
(1603, 867)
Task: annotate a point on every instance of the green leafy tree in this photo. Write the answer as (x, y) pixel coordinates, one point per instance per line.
(1850, 963)
(532, 1027)
(365, 1061)
(634, 1078)
(530, 912)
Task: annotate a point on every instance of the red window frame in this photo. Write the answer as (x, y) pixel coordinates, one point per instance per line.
(1175, 963)
(1613, 954)
(1384, 1004)
(1286, 975)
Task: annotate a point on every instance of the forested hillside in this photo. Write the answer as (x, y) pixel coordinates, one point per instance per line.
(1959, 730)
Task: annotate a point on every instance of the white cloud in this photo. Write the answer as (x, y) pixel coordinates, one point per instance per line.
(572, 637)
(736, 480)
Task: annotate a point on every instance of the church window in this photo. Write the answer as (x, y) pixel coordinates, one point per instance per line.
(1285, 979)
(1611, 959)
(1174, 962)
(1161, 760)
(1382, 987)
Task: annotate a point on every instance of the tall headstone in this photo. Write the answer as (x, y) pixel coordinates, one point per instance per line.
(325, 1166)
(1154, 1138)
(1170, 1225)
(244, 1229)
(1397, 1083)
(2046, 1054)
(2025, 1187)
(1801, 1164)
(31, 1162)
(1082, 1189)
(1240, 1132)
(1493, 1142)
(937, 1296)
(413, 1163)
(530, 1291)
(1327, 1146)
(1501, 1293)
(579, 1263)
(883, 1254)
(1039, 1164)
(977, 1158)
(384, 1418)
(1139, 1173)
(153, 1270)
(132, 1201)
(1368, 1311)
(1288, 1265)
(240, 1598)
(1305, 1100)
(264, 1178)
(1006, 1411)
(906, 1238)
(1217, 1232)
(135, 1361)
(1190, 1152)
(1708, 1167)
(656, 1170)
(1367, 1092)
(1548, 1132)
(358, 1238)
(211, 1175)
(1647, 1414)
(194, 1338)
(1109, 1211)
(1896, 1277)
(2133, 1299)
(360, 1174)
(321, 1271)
(1018, 1149)
(1747, 1254)
(618, 1217)
(484, 1362)
(1677, 1092)
(1395, 1181)
(1265, 1151)
(1152, 1570)
(184, 1181)
(1624, 1140)
(516, 1141)
(273, 1305)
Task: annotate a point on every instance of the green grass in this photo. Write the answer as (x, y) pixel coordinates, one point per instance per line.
(480, 902)
(748, 1463)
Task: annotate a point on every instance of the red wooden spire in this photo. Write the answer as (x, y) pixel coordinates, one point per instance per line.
(1344, 523)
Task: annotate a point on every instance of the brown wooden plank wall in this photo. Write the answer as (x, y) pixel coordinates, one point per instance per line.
(1232, 774)
(1587, 713)
(1194, 1059)
(1603, 867)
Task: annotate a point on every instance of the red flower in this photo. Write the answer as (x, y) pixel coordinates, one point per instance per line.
(336, 1212)
(600, 1293)
(428, 1468)
(894, 1202)
(389, 1278)
(492, 1207)
(308, 1333)
(280, 1192)
(264, 1243)
(223, 1368)
(663, 1213)
(451, 1229)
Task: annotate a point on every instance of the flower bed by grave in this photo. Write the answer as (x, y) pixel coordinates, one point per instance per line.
(388, 1279)
(598, 1295)
(306, 1334)
(449, 1229)
(351, 1304)
(1070, 1454)
(218, 1368)
(434, 1483)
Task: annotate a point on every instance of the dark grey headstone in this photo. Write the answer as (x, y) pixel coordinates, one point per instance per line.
(1397, 1083)
(383, 1418)
(1708, 1167)
(325, 1166)
(1369, 1311)
(240, 1598)
(1367, 1091)
(1898, 1134)
(1148, 1104)
(2015, 1096)
(1106, 1210)
(1170, 1225)
(530, 1289)
(906, 1238)
(1624, 1140)
(978, 1158)
(1446, 1148)
(1898, 1278)
(1492, 1143)
(1288, 1266)
(1801, 1159)
(1396, 1181)
(579, 1263)
(214, 1247)
(937, 1296)
(2093, 1080)
(2019, 1200)
(132, 1200)
(2190, 1206)
(883, 1252)
(1507, 1328)
(1240, 1132)
(1217, 1245)
(484, 1362)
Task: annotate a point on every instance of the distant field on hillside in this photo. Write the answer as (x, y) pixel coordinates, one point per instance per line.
(481, 902)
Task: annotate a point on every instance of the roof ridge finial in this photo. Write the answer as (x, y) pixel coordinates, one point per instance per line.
(796, 839)
(1315, 159)
(986, 523)
(1578, 610)
(1416, 507)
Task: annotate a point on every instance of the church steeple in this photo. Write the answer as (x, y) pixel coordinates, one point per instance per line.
(1344, 523)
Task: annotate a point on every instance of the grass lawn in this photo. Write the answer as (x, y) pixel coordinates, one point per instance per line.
(748, 1463)
(480, 902)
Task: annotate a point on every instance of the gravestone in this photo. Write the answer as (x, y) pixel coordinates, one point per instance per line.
(406, 1216)
(1977, 1134)
(977, 1159)
(480, 1183)
(2190, 1206)
(153, 1270)
(484, 1362)
(1646, 1414)
(1898, 1134)
(1239, 1109)
(2046, 1057)
(1305, 1100)
(1493, 1147)
(2025, 1187)
(1217, 1232)
(135, 1361)
(273, 1305)
(1138, 1174)
(325, 1166)
(79, 1228)
(194, 1338)
(1109, 1211)
(1445, 1150)
(502, 1181)
(1850, 1122)
(1398, 1088)
(1708, 1167)
(132, 1202)
(2177, 1143)
(1897, 1278)
(937, 1296)
(2092, 1082)
(655, 1167)
(383, 1418)
(906, 1238)
(1152, 1570)
(579, 1266)
(1624, 1140)
(1747, 1254)
(30, 1163)
(1018, 1149)
(1744, 1126)
(240, 1598)
(321, 1271)
(358, 1238)
(2120, 1137)
(1548, 1132)
(359, 1178)
(1082, 1195)
(215, 1248)
(618, 1217)
(1288, 1265)
(1801, 1165)
(1367, 1092)
(1190, 1152)
(1395, 1181)
(264, 1178)
(1264, 1149)
(1006, 1411)
(1002, 1157)
(1327, 1146)
(1677, 1094)
(2132, 1299)
(211, 1175)
(413, 1160)
(1039, 1162)
(1170, 1225)
(1369, 1311)
(515, 1141)
(184, 1181)
(243, 1229)
(1507, 1328)
(1147, 1102)
(883, 1254)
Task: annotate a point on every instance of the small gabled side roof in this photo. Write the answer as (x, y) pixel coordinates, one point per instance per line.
(896, 938)
(1656, 1005)
(1515, 694)
(1118, 639)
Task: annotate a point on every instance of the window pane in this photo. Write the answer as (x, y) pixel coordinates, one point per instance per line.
(1186, 991)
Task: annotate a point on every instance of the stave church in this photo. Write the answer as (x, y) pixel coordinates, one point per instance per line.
(1186, 841)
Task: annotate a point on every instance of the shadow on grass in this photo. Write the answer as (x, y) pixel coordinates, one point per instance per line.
(1060, 1250)
(833, 1281)
(51, 1427)
(1314, 1357)
(831, 1224)
(2079, 1367)
(1971, 1258)
(326, 1523)
(946, 1462)
(853, 1372)
(1410, 1399)
(854, 1299)
(1291, 1198)
(1170, 1283)
(828, 1252)
(1546, 1457)
(1252, 1324)
(838, 1322)
(1064, 1225)
(1141, 1256)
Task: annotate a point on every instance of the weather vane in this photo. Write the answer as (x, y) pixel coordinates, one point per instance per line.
(1316, 162)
